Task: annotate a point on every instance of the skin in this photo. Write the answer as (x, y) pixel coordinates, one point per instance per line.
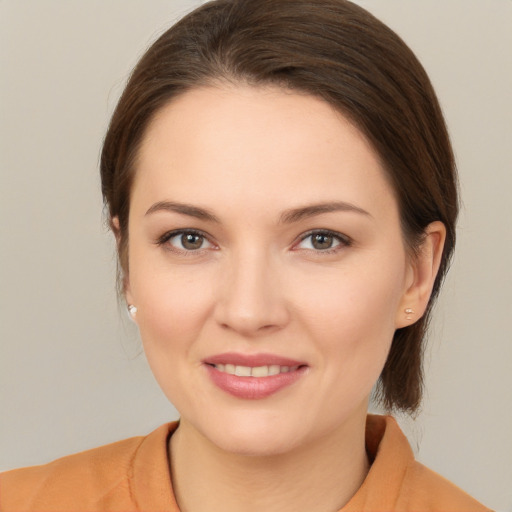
(257, 284)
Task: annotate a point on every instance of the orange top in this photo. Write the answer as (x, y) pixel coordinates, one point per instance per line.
(134, 475)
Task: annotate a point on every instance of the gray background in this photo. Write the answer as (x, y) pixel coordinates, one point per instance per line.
(71, 373)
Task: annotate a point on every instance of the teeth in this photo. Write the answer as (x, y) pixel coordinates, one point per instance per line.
(256, 371)
(259, 371)
(274, 369)
(243, 371)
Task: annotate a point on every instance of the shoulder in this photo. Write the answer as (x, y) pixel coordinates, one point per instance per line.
(396, 481)
(86, 479)
(424, 489)
(64, 482)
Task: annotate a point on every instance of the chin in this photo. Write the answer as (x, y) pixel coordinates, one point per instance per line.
(255, 435)
(256, 445)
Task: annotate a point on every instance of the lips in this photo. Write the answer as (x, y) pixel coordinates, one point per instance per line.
(254, 376)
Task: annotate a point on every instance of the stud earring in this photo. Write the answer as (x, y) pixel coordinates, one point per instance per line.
(408, 312)
(132, 310)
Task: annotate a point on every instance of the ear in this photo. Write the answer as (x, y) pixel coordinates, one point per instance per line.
(421, 274)
(123, 274)
(116, 229)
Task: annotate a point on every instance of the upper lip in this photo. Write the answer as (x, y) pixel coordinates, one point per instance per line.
(252, 360)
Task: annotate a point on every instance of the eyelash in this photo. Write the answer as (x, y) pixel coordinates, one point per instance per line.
(344, 240)
(166, 237)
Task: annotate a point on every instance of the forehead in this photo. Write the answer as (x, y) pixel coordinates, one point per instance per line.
(265, 145)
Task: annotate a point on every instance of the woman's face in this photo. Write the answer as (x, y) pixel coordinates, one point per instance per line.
(264, 240)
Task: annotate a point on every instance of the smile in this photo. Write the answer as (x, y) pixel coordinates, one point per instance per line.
(253, 377)
(254, 371)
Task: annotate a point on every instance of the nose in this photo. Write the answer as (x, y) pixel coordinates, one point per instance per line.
(251, 301)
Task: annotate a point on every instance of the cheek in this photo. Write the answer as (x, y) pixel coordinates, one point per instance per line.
(172, 313)
(351, 317)
(356, 300)
(172, 306)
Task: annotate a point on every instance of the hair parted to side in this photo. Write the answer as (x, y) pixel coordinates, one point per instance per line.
(334, 50)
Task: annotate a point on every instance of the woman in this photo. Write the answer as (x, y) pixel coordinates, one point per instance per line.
(282, 189)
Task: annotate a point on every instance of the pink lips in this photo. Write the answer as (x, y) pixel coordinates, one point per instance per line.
(253, 388)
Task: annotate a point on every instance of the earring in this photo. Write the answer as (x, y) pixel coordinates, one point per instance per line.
(132, 310)
(408, 312)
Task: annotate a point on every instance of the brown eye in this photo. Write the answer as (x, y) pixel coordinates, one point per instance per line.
(191, 241)
(186, 241)
(322, 241)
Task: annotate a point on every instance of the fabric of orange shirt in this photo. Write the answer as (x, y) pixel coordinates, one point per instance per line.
(133, 475)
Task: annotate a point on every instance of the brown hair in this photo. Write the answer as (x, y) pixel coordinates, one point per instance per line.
(331, 49)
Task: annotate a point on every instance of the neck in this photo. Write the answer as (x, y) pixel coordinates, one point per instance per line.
(322, 476)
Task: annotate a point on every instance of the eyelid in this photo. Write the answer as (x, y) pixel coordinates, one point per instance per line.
(162, 240)
(345, 241)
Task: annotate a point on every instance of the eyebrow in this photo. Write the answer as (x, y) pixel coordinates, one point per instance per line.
(184, 209)
(287, 217)
(297, 214)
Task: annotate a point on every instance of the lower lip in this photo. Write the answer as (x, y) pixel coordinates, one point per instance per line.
(253, 388)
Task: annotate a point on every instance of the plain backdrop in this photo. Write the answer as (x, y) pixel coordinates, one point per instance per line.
(72, 375)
